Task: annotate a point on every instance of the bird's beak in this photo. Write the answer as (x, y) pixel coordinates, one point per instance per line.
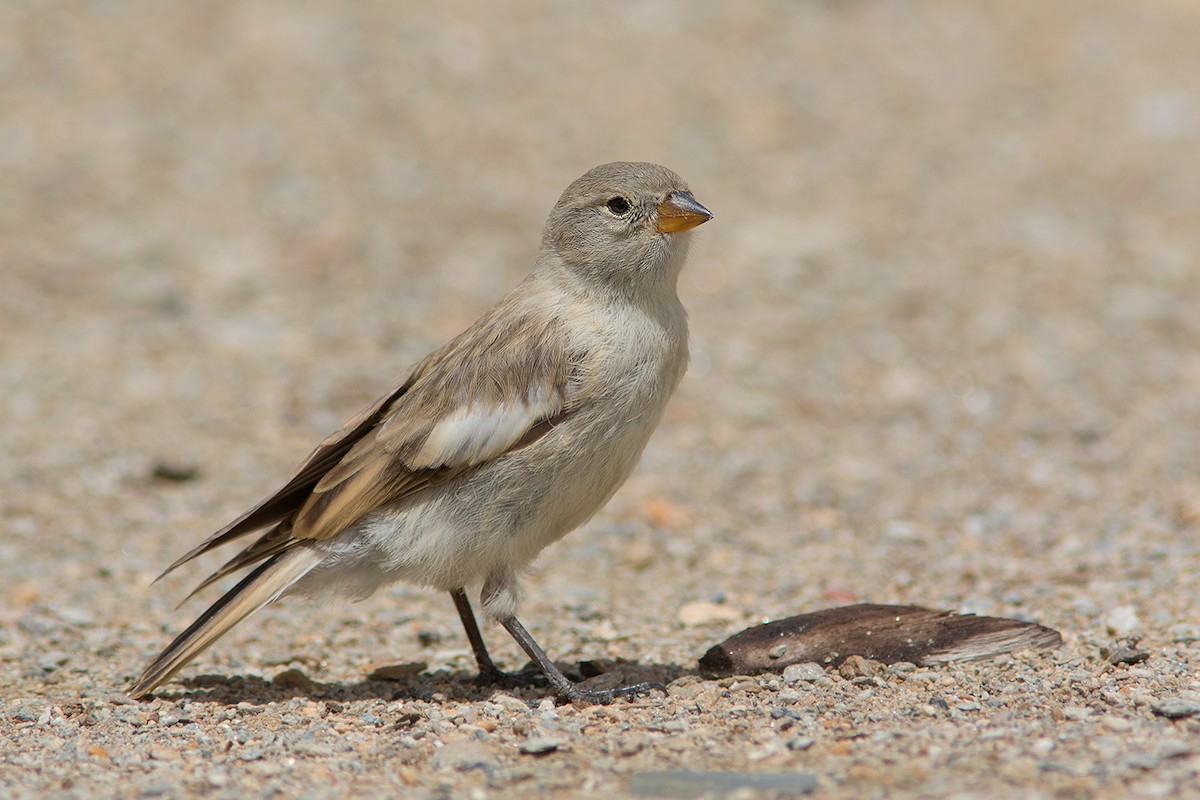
(680, 212)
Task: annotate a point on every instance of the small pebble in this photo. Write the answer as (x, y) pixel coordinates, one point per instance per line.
(796, 673)
(53, 660)
(630, 744)
(858, 667)
(292, 678)
(510, 703)
(1176, 708)
(1124, 651)
(397, 672)
(174, 471)
(541, 745)
(1122, 621)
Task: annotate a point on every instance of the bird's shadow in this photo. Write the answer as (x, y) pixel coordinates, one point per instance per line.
(439, 687)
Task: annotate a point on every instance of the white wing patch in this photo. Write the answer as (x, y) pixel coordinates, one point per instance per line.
(475, 433)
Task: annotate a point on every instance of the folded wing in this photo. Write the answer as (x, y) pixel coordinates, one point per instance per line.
(470, 402)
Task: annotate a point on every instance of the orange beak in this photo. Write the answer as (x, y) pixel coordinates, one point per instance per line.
(680, 212)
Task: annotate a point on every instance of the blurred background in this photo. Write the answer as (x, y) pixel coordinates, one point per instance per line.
(945, 323)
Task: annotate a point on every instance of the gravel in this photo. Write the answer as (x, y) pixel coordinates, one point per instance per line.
(946, 353)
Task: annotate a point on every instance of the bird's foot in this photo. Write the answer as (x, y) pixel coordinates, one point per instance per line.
(603, 697)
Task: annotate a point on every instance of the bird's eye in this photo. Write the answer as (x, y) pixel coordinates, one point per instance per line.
(618, 206)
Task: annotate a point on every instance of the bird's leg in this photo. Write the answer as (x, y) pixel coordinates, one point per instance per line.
(488, 671)
(561, 684)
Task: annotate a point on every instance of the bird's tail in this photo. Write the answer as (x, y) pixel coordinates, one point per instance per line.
(257, 589)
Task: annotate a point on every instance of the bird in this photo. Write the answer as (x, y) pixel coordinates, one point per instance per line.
(496, 445)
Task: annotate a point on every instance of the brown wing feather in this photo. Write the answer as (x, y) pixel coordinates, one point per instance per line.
(274, 541)
(327, 513)
(490, 366)
(288, 500)
(367, 463)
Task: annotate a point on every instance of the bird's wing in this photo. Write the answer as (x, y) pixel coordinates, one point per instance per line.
(475, 399)
(288, 499)
(479, 397)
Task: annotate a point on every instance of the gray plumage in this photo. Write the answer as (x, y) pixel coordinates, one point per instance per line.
(500, 442)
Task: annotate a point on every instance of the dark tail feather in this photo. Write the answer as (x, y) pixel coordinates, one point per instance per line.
(257, 589)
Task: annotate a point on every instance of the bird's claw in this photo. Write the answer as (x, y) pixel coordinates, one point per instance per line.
(603, 697)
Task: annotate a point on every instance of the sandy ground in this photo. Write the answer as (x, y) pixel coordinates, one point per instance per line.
(946, 348)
